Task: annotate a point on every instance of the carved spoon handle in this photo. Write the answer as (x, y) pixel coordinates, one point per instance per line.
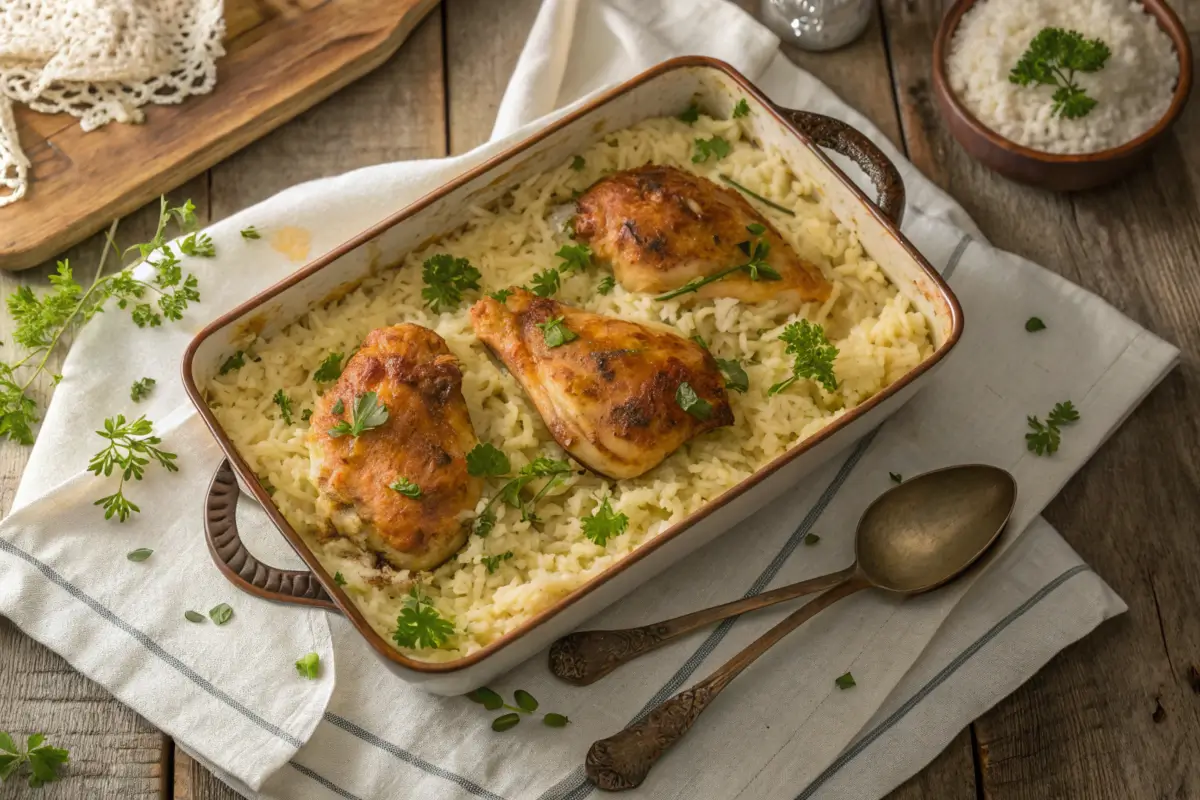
(623, 760)
(587, 656)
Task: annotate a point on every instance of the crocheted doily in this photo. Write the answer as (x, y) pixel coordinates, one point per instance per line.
(100, 61)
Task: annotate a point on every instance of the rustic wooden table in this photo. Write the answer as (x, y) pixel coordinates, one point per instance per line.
(1116, 716)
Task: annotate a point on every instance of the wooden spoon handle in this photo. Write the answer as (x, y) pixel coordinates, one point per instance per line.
(623, 760)
(587, 656)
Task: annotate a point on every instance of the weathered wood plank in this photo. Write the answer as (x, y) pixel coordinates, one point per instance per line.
(1085, 727)
(191, 781)
(950, 776)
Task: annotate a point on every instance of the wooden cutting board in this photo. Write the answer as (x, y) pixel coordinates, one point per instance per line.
(282, 57)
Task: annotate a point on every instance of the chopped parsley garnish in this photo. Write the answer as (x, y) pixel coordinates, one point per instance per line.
(500, 295)
(493, 562)
(742, 109)
(735, 376)
(692, 403)
(556, 333)
(306, 414)
(43, 760)
(690, 114)
(405, 487)
(141, 389)
(577, 163)
(814, 356)
(602, 524)
(546, 283)
(330, 369)
(446, 278)
(1034, 324)
(339, 579)
(575, 257)
(419, 626)
(308, 666)
(487, 460)
(285, 406)
(756, 196)
(510, 493)
(1052, 59)
(131, 446)
(251, 232)
(1044, 438)
(715, 148)
(756, 267)
(606, 284)
(811, 539)
(368, 413)
(844, 681)
(235, 361)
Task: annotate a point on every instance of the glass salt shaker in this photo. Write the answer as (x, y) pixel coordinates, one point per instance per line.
(817, 24)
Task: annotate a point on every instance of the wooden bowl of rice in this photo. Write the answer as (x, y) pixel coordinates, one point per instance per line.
(1048, 170)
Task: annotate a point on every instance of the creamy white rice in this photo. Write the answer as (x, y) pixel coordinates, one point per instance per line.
(1133, 89)
(880, 338)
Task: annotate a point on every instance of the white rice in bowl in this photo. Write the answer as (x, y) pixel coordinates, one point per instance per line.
(880, 337)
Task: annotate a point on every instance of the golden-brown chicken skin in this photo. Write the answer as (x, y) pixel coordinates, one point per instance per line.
(608, 396)
(425, 440)
(660, 227)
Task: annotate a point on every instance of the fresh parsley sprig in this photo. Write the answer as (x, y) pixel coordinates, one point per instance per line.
(131, 447)
(367, 413)
(814, 356)
(43, 760)
(486, 460)
(43, 320)
(419, 626)
(546, 283)
(603, 524)
(1044, 437)
(446, 278)
(330, 368)
(1052, 59)
(555, 332)
(756, 266)
(574, 257)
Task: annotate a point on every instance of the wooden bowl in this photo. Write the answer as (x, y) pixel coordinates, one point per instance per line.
(1058, 172)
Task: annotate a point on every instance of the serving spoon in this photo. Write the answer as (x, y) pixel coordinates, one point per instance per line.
(913, 538)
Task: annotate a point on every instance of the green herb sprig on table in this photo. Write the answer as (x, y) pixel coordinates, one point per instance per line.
(814, 356)
(525, 704)
(1053, 58)
(43, 760)
(1044, 437)
(43, 320)
(367, 413)
(756, 266)
(141, 389)
(131, 446)
(419, 626)
(446, 278)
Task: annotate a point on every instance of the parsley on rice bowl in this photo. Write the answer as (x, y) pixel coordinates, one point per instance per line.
(803, 328)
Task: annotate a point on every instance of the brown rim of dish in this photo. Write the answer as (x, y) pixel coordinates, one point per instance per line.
(347, 605)
(1167, 21)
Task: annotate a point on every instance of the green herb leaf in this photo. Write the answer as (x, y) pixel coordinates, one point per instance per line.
(141, 554)
(308, 665)
(500, 295)
(525, 700)
(220, 614)
(185, 214)
(193, 616)
(131, 446)
(555, 720)
(756, 266)
(896, 477)
(338, 408)
(556, 333)
(1053, 57)
(505, 721)
(735, 376)
(285, 406)
(577, 163)
(1033, 325)
(339, 579)
(368, 413)
(235, 361)
(606, 284)
(446, 278)
(405, 487)
(487, 460)
(692, 403)
(574, 257)
(546, 283)
(141, 389)
(811, 539)
(420, 626)
(251, 232)
(814, 355)
(742, 109)
(690, 114)
(698, 339)
(484, 523)
(493, 562)
(486, 697)
(197, 245)
(43, 760)
(844, 681)
(1044, 438)
(715, 148)
(602, 524)
(330, 368)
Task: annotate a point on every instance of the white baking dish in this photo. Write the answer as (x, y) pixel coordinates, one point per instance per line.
(664, 90)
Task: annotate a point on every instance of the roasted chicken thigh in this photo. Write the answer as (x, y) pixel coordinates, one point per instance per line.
(609, 390)
(399, 486)
(661, 227)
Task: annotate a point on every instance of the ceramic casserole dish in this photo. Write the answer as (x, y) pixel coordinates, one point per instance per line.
(666, 89)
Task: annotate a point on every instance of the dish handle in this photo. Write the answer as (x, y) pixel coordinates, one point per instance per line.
(237, 563)
(839, 137)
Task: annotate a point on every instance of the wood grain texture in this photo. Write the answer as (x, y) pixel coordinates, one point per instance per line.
(191, 781)
(293, 57)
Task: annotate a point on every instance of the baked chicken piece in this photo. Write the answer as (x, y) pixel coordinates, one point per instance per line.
(399, 486)
(609, 390)
(660, 227)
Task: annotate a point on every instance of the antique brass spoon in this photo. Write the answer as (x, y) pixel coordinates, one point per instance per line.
(915, 537)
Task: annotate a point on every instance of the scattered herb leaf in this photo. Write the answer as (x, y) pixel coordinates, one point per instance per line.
(405, 487)
(814, 356)
(500, 295)
(339, 407)
(330, 369)
(198, 245)
(690, 114)
(419, 626)
(505, 721)
(716, 148)
(141, 389)
(285, 406)
(1034, 324)
(606, 284)
(525, 701)
(896, 477)
(1044, 438)
(742, 109)
(446, 277)
(692, 403)
(735, 376)
(845, 681)
(556, 333)
(141, 554)
(131, 446)
(555, 720)
(251, 232)
(602, 524)
(546, 283)
(306, 415)
(193, 616)
(368, 413)
(493, 562)
(220, 614)
(574, 257)
(339, 579)
(811, 539)
(308, 665)
(235, 361)
(487, 460)
(756, 266)
(486, 697)
(577, 163)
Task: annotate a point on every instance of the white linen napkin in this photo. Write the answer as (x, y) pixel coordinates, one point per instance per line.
(924, 667)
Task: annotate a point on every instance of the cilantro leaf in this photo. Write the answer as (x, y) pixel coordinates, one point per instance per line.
(330, 369)
(735, 376)
(546, 283)
(606, 284)
(446, 278)
(692, 403)
(575, 257)
(308, 665)
(1053, 57)
(419, 626)
(367, 413)
(814, 355)
(285, 406)
(556, 333)
(602, 524)
(742, 109)
(141, 389)
(487, 460)
(716, 148)
(493, 562)
(405, 487)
